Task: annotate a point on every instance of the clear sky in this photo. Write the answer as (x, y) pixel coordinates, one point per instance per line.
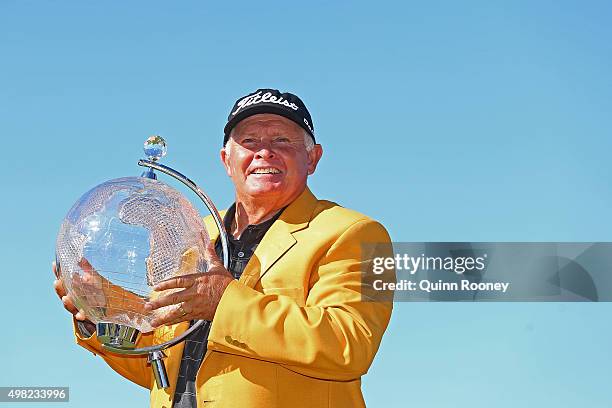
(445, 120)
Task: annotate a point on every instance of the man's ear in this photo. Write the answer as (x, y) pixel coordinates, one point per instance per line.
(314, 155)
(225, 161)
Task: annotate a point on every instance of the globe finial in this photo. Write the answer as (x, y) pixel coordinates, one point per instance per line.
(155, 147)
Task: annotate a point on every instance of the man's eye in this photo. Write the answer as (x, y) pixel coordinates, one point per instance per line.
(248, 140)
(282, 139)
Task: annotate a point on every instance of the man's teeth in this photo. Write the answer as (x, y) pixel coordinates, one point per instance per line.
(268, 170)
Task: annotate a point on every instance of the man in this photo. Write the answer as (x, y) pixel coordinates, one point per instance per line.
(290, 324)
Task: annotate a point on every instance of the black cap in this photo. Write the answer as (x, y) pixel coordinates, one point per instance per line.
(270, 101)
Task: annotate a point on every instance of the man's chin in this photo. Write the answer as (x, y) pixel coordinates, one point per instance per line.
(265, 191)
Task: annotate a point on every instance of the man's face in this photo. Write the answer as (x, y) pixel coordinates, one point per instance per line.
(266, 158)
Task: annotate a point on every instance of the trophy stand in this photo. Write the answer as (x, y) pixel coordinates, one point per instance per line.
(122, 339)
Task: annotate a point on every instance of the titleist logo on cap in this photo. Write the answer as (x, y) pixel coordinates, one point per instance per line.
(272, 101)
(256, 98)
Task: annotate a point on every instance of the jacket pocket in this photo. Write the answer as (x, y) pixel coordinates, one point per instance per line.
(210, 392)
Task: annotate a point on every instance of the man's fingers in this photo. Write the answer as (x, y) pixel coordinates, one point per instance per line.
(58, 285)
(87, 268)
(77, 281)
(184, 281)
(59, 288)
(172, 317)
(169, 299)
(86, 280)
(210, 255)
(69, 305)
(81, 315)
(85, 265)
(94, 281)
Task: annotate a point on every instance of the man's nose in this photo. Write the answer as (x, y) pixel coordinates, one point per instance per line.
(265, 152)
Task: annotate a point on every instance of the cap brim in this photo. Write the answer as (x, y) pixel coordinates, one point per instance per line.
(259, 109)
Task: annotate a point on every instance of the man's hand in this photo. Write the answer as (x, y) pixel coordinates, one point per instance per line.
(200, 295)
(66, 299)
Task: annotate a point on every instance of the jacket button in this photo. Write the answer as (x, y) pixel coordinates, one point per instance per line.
(236, 343)
(229, 339)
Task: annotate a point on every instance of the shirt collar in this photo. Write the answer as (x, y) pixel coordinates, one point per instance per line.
(229, 216)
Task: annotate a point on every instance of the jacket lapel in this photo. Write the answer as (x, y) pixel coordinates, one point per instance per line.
(279, 239)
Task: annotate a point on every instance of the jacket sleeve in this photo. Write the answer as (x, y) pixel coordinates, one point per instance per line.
(334, 336)
(134, 368)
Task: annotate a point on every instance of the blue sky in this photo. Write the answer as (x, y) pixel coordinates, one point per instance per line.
(445, 120)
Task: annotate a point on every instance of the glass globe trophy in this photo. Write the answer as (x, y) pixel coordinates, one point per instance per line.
(123, 237)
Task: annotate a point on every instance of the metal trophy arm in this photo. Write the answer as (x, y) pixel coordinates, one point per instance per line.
(200, 193)
(155, 149)
(224, 243)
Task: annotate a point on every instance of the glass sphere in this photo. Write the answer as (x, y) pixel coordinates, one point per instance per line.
(155, 147)
(119, 240)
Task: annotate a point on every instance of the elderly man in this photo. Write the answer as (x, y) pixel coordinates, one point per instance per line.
(290, 326)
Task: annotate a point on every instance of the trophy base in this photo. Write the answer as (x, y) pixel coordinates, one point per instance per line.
(117, 335)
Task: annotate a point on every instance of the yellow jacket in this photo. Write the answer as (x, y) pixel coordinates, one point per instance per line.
(293, 331)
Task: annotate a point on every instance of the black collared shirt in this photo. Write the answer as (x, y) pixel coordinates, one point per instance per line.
(240, 252)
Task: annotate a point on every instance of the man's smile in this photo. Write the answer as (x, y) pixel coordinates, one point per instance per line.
(265, 170)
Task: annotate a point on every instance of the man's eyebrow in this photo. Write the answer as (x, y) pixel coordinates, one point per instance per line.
(272, 132)
(243, 135)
